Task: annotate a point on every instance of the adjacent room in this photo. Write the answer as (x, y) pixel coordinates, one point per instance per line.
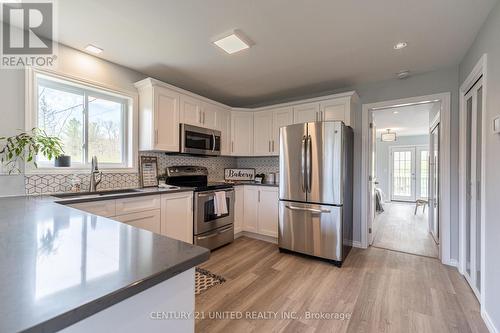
(404, 218)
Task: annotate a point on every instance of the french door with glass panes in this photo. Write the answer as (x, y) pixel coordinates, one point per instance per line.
(403, 177)
(409, 173)
(473, 171)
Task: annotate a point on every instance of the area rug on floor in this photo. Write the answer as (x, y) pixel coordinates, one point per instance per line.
(206, 280)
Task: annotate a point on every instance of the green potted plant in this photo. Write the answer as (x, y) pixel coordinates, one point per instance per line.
(25, 146)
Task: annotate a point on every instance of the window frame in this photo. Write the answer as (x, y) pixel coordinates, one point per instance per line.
(129, 129)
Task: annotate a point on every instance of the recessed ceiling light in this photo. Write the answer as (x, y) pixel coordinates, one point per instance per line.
(403, 74)
(93, 49)
(395, 112)
(400, 45)
(233, 43)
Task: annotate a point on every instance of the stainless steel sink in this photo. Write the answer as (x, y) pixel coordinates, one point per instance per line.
(94, 194)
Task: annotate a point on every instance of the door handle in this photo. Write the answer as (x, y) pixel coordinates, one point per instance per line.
(273, 146)
(308, 163)
(312, 210)
(269, 146)
(303, 164)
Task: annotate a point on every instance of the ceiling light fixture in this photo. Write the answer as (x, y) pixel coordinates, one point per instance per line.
(388, 137)
(234, 42)
(395, 112)
(94, 49)
(400, 45)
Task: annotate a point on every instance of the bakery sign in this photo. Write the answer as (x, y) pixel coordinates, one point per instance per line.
(239, 174)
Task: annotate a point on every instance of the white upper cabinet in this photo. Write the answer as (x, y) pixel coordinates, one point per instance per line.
(158, 117)
(209, 114)
(224, 126)
(263, 133)
(305, 113)
(335, 109)
(191, 111)
(242, 133)
(245, 132)
(281, 117)
(198, 113)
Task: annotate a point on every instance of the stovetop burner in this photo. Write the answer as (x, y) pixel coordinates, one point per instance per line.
(193, 176)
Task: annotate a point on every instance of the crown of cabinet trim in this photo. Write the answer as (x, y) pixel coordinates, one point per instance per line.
(150, 82)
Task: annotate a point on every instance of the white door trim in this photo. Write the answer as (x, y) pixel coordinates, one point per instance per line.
(480, 69)
(445, 181)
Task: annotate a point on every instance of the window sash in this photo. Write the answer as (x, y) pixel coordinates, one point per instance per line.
(86, 91)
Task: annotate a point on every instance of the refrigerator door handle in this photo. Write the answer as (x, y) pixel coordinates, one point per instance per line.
(309, 209)
(308, 163)
(303, 165)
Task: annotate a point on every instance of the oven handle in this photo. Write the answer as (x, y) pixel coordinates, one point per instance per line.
(215, 233)
(209, 194)
(213, 136)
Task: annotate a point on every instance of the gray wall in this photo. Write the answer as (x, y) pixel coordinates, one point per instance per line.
(440, 81)
(488, 41)
(383, 157)
(70, 61)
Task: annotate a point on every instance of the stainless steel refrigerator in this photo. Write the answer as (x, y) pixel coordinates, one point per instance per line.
(316, 189)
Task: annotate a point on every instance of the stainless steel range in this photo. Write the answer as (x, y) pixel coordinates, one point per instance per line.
(211, 228)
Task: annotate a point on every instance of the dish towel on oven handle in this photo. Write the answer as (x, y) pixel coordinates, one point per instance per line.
(220, 205)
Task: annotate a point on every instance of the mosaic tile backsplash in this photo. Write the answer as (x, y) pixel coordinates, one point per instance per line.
(57, 183)
(260, 164)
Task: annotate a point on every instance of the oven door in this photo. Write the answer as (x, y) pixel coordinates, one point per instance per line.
(199, 140)
(204, 209)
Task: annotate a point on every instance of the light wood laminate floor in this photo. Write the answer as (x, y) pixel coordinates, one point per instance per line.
(382, 290)
(398, 228)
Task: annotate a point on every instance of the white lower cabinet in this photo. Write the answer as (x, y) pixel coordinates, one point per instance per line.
(250, 208)
(177, 216)
(267, 216)
(104, 208)
(239, 199)
(167, 214)
(260, 210)
(148, 220)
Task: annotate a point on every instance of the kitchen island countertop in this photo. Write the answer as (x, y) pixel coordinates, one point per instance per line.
(60, 265)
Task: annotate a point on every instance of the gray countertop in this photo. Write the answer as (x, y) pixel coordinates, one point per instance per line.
(59, 265)
(255, 184)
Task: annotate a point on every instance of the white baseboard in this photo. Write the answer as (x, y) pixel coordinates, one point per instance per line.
(488, 322)
(357, 244)
(450, 262)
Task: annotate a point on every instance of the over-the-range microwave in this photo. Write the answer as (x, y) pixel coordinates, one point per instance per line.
(199, 141)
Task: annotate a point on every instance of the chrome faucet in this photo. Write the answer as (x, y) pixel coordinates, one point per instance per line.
(94, 171)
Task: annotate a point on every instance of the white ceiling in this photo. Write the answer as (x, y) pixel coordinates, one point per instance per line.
(405, 121)
(301, 47)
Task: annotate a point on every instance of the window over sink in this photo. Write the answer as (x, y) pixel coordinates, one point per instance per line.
(90, 121)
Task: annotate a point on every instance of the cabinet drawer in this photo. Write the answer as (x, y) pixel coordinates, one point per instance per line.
(104, 208)
(149, 220)
(137, 204)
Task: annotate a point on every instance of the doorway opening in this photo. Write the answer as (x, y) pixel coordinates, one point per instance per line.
(405, 178)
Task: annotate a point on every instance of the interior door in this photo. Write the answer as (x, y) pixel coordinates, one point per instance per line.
(474, 113)
(422, 183)
(434, 183)
(403, 175)
(372, 181)
(324, 160)
(292, 162)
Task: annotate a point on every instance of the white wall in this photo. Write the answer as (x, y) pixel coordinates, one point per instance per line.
(488, 41)
(70, 61)
(383, 158)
